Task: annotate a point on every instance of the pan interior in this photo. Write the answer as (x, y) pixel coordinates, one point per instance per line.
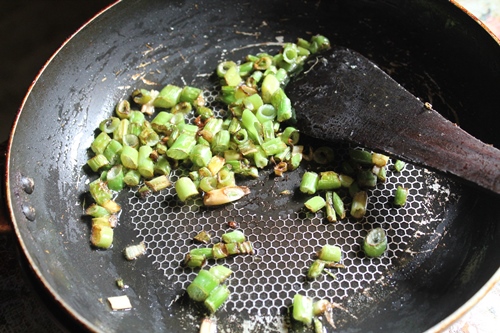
(286, 236)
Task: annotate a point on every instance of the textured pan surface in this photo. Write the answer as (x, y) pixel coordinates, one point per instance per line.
(442, 244)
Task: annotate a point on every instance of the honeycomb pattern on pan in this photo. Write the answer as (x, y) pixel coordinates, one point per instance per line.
(285, 237)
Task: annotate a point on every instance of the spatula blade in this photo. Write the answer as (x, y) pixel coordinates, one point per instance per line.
(345, 96)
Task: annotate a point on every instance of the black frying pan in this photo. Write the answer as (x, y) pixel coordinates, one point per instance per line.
(443, 252)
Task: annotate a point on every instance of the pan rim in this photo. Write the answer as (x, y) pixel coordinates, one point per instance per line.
(439, 327)
(34, 268)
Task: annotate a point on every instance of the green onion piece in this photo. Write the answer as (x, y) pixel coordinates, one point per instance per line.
(204, 112)
(290, 52)
(358, 206)
(200, 155)
(201, 287)
(191, 95)
(202, 237)
(269, 86)
(330, 253)
(399, 165)
(309, 182)
(212, 126)
(100, 191)
(183, 108)
(114, 178)
(208, 184)
(223, 67)
(263, 63)
(380, 160)
(268, 130)
(220, 272)
(137, 117)
(366, 179)
(207, 252)
(101, 236)
(129, 157)
(321, 42)
(400, 196)
(235, 236)
(321, 306)
(161, 122)
(111, 206)
(122, 109)
(149, 137)
(318, 325)
(97, 162)
(294, 161)
(265, 112)
(162, 166)
(282, 104)
(302, 309)
(345, 180)
(290, 136)
(113, 151)
(145, 164)
(220, 141)
(219, 251)
(233, 248)
(144, 191)
(106, 220)
(232, 76)
(100, 143)
(194, 260)
(252, 125)
(225, 195)
(338, 205)
(315, 203)
(380, 172)
(122, 130)
(109, 125)
(225, 177)
(315, 269)
(158, 183)
(132, 178)
(260, 157)
(232, 155)
(273, 146)
(362, 157)
(132, 252)
(375, 242)
(330, 211)
(253, 102)
(131, 140)
(168, 97)
(245, 68)
(185, 188)
(216, 298)
(182, 146)
(246, 247)
(216, 164)
(96, 210)
(328, 180)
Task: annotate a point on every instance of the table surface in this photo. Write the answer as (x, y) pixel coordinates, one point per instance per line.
(24, 52)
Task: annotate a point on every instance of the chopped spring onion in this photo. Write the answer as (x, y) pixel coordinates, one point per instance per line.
(120, 302)
(133, 252)
(400, 196)
(375, 242)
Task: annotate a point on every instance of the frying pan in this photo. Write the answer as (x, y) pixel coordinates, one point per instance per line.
(442, 254)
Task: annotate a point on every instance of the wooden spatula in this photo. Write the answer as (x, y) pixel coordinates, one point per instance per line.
(345, 96)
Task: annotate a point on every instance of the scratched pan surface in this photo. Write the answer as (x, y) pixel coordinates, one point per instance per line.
(442, 244)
